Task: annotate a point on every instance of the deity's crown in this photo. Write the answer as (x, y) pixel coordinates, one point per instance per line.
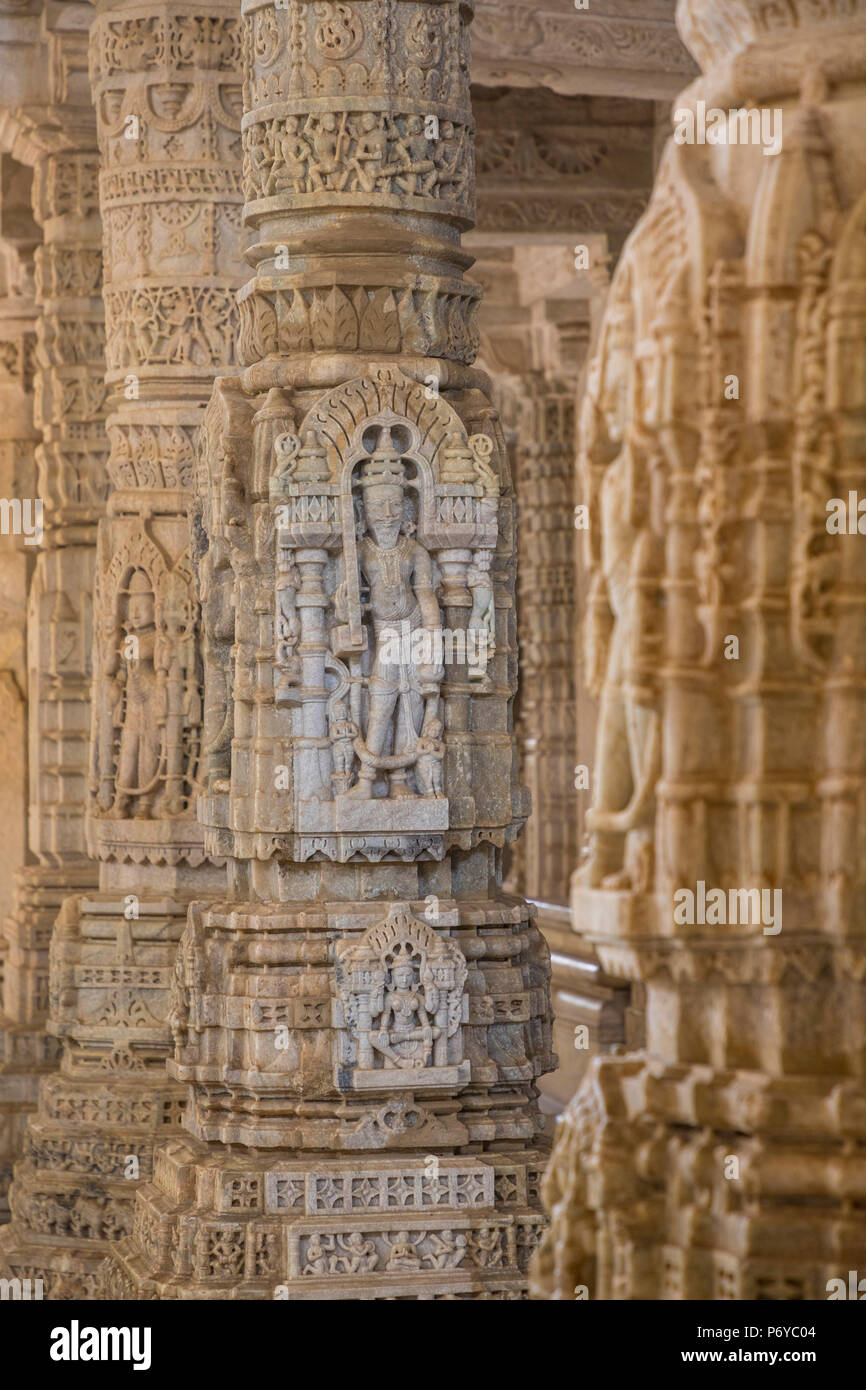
(384, 466)
(403, 953)
(139, 583)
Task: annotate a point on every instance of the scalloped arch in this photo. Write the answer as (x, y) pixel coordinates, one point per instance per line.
(338, 415)
(135, 552)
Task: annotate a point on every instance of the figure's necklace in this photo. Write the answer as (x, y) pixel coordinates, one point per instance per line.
(390, 561)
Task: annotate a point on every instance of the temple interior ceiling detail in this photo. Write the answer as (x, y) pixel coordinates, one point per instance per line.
(432, 650)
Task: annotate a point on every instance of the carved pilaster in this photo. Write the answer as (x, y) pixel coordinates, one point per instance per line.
(536, 326)
(166, 88)
(546, 604)
(23, 987)
(19, 524)
(53, 131)
(363, 1019)
(724, 412)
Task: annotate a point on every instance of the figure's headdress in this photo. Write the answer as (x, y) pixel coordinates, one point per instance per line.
(139, 583)
(384, 467)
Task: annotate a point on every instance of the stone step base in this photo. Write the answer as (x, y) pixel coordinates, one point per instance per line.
(227, 1225)
(670, 1181)
(67, 1270)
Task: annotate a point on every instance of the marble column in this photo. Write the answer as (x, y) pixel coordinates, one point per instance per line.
(723, 438)
(24, 989)
(537, 321)
(361, 1022)
(53, 132)
(562, 180)
(166, 88)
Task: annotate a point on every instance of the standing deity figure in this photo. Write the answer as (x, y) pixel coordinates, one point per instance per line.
(342, 732)
(431, 754)
(398, 573)
(616, 463)
(451, 175)
(139, 703)
(258, 161)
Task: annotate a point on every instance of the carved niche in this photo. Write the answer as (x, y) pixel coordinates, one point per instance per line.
(364, 483)
(400, 1003)
(372, 555)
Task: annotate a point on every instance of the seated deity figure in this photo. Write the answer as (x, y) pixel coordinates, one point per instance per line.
(370, 161)
(138, 709)
(325, 169)
(398, 572)
(402, 1254)
(417, 171)
(405, 1034)
(292, 152)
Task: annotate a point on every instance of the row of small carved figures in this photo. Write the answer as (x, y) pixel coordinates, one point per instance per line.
(447, 1249)
(326, 155)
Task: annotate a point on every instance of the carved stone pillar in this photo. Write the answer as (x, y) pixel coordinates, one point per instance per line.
(20, 530)
(166, 86)
(536, 326)
(362, 1021)
(52, 130)
(24, 992)
(546, 605)
(724, 413)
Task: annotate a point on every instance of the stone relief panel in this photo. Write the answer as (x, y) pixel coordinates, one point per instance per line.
(147, 739)
(576, 164)
(387, 1019)
(373, 49)
(615, 47)
(401, 1004)
(368, 152)
(169, 326)
(382, 515)
(70, 392)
